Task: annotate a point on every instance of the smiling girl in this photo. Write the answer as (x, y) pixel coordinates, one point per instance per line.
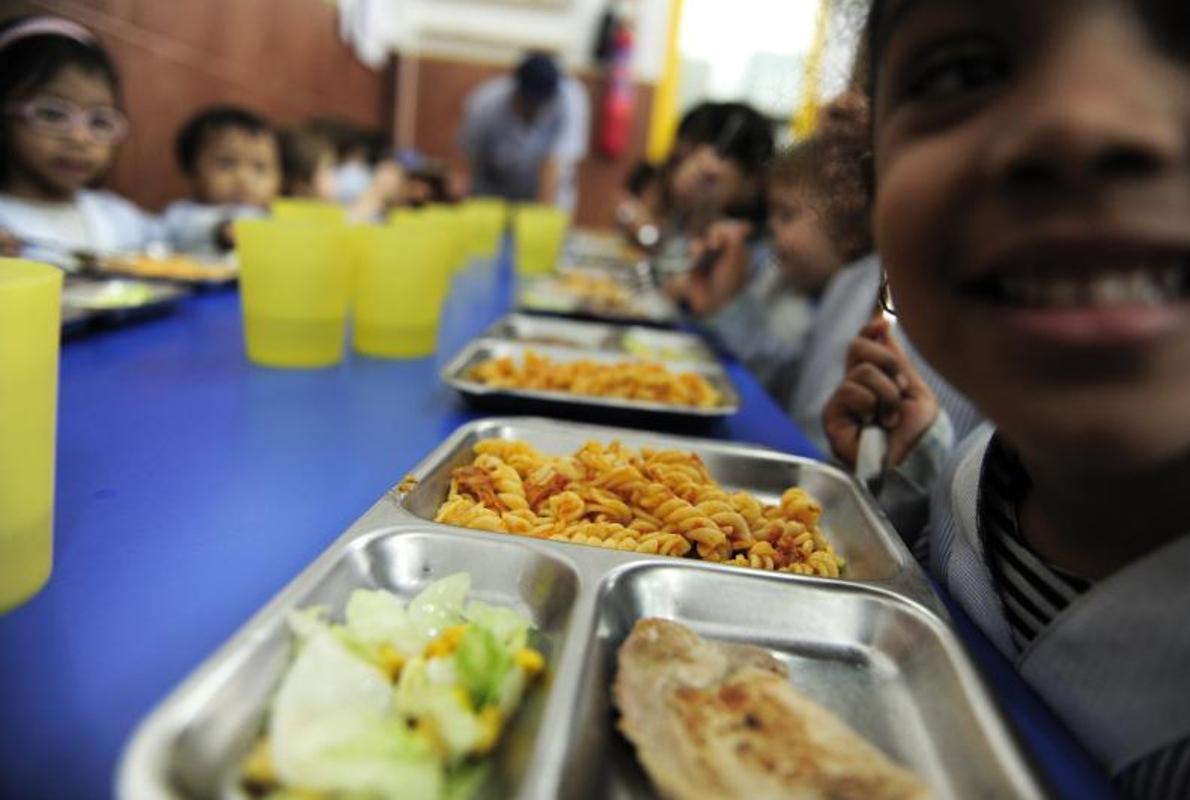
(60, 98)
(1032, 206)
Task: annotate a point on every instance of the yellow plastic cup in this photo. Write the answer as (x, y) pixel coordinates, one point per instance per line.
(539, 231)
(450, 221)
(402, 282)
(301, 209)
(485, 218)
(295, 283)
(30, 316)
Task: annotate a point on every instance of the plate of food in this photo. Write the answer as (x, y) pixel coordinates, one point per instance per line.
(597, 295)
(112, 301)
(169, 267)
(516, 375)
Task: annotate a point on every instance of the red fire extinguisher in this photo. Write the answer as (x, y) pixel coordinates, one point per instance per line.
(619, 95)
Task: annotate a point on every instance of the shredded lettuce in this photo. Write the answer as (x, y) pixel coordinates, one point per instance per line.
(508, 626)
(481, 663)
(331, 728)
(339, 725)
(377, 617)
(440, 605)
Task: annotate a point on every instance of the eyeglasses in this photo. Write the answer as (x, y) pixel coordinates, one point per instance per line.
(55, 117)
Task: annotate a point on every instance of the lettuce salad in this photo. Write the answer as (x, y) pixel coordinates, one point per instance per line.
(397, 701)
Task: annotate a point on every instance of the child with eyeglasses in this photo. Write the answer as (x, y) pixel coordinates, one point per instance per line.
(60, 96)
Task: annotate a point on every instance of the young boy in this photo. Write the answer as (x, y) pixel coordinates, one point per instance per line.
(232, 159)
(762, 314)
(1033, 211)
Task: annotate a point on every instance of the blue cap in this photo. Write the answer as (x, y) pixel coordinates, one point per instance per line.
(537, 77)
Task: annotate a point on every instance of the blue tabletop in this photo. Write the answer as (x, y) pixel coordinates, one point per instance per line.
(192, 486)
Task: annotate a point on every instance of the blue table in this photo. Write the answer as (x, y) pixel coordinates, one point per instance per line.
(192, 486)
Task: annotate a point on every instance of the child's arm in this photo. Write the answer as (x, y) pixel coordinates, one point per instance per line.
(723, 261)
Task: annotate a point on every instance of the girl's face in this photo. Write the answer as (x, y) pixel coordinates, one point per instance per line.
(55, 166)
(804, 251)
(1033, 211)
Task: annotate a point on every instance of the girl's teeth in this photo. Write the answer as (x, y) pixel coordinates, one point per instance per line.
(1108, 289)
(1136, 287)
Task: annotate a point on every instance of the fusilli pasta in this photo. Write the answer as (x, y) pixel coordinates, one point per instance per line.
(628, 380)
(655, 501)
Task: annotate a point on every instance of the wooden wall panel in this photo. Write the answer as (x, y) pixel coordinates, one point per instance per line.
(280, 57)
(443, 85)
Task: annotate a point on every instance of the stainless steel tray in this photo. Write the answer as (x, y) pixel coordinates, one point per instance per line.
(457, 374)
(888, 666)
(875, 555)
(646, 305)
(637, 340)
(114, 301)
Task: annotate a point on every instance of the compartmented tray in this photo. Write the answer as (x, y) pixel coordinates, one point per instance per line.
(639, 299)
(885, 664)
(457, 374)
(635, 340)
(114, 301)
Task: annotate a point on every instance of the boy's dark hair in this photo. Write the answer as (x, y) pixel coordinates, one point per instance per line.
(301, 149)
(829, 172)
(194, 134)
(737, 130)
(31, 62)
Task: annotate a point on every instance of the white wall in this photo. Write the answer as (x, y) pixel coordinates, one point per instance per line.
(500, 32)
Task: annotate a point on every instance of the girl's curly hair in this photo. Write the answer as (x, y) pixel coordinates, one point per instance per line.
(831, 169)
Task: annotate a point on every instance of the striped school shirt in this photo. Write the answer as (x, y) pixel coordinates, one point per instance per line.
(1033, 593)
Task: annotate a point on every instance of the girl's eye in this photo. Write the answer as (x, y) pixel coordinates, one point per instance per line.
(951, 71)
(52, 115)
(104, 122)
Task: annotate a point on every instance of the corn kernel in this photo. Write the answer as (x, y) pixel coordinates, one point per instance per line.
(447, 642)
(391, 661)
(257, 767)
(464, 698)
(530, 661)
(491, 721)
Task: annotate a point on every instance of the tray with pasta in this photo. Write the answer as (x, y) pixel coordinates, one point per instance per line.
(417, 659)
(526, 377)
(731, 504)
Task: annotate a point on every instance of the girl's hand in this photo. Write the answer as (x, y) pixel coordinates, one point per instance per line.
(881, 387)
(721, 259)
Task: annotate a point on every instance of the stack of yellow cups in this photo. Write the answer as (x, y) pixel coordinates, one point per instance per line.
(485, 218)
(539, 231)
(404, 274)
(30, 311)
(450, 222)
(295, 283)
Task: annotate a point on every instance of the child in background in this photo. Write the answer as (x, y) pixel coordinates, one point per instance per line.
(1032, 206)
(231, 158)
(817, 225)
(307, 165)
(60, 96)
